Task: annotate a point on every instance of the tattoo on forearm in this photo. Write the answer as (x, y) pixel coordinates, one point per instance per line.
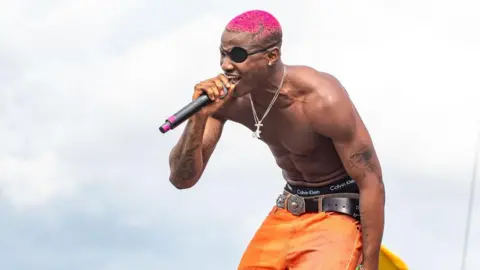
(184, 159)
(186, 169)
(364, 161)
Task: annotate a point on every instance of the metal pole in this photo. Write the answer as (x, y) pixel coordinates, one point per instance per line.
(470, 205)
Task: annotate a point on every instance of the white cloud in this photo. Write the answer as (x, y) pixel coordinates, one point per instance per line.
(33, 181)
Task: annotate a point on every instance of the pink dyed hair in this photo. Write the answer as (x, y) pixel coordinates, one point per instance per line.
(261, 24)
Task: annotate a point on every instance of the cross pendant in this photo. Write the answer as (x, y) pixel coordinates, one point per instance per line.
(257, 132)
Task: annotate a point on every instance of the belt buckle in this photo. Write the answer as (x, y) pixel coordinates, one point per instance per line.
(296, 205)
(281, 201)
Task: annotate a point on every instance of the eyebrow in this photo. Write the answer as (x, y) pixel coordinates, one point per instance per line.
(245, 47)
(225, 50)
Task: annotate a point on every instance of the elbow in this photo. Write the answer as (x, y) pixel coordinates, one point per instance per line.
(372, 184)
(182, 183)
(376, 189)
(377, 184)
(184, 178)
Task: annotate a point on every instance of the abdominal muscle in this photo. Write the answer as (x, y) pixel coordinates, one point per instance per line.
(319, 168)
(318, 181)
(305, 157)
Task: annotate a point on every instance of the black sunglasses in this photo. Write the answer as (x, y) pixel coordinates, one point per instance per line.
(239, 54)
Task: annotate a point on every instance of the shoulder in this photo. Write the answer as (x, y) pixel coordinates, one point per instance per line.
(327, 105)
(319, 87)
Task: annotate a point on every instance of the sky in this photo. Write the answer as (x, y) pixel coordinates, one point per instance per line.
(84, 86)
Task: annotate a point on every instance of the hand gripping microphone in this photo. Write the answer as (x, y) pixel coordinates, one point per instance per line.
(187, 111)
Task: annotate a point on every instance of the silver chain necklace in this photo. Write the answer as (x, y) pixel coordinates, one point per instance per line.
(258, 123)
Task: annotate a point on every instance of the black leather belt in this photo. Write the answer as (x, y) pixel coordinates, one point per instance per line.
(340, 199)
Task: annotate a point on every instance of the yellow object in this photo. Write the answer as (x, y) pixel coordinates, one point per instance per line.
(390, 261)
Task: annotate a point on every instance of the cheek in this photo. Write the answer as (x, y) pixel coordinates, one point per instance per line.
(252, 72)
(257, 74)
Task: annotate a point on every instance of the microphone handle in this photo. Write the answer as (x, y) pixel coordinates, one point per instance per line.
(185, 113)
(191, 109)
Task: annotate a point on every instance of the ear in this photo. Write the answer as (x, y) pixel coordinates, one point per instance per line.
(273, 55)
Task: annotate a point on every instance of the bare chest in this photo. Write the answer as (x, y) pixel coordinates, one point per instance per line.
(286, 130)
(304, 155)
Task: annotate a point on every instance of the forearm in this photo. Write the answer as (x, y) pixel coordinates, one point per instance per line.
(186, 161)
(372, 205)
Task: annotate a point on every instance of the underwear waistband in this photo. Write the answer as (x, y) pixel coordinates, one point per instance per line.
(345, 185)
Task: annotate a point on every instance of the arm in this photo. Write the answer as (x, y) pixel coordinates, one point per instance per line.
(333, 115)
(190, 155)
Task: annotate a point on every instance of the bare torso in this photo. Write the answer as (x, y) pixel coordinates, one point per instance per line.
(305, 157)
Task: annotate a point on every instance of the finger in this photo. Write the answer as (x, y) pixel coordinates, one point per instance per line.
(196, 93)
(216, 92)
(229, 93)
(207, 89)
(200, 89)
(220, 87)
(213, 90)
(224, 80)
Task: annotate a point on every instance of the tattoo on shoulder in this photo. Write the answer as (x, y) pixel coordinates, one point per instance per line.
(363, 159)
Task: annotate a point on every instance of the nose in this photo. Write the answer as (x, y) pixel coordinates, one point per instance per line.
(226, 64)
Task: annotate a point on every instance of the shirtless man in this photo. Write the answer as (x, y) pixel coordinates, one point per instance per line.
(332, 173)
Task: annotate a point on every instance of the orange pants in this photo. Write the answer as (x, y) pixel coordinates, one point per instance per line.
(314, 241)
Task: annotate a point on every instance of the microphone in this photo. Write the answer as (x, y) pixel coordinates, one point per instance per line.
(186, 112)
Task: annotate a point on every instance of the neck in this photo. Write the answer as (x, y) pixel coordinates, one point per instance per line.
(266, 90)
